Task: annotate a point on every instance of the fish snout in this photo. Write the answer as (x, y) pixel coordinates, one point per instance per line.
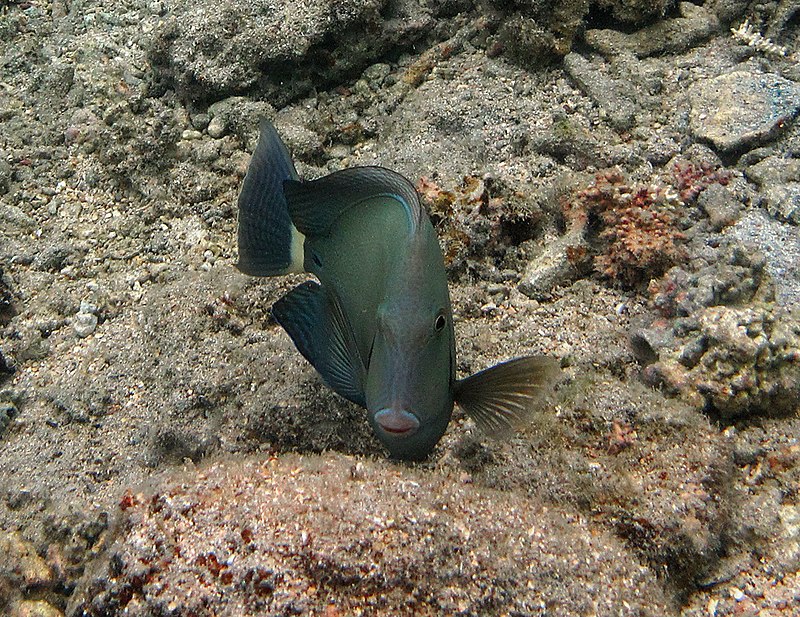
(397, 422)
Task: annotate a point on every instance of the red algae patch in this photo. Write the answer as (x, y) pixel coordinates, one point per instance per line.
(335, 535)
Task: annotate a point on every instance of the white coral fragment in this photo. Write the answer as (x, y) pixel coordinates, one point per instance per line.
(746, 33)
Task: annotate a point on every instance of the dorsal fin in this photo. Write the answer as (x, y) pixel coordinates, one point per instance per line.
(315, 205)
(265, 235)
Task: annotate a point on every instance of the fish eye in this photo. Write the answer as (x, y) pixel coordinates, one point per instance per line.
(440, 322)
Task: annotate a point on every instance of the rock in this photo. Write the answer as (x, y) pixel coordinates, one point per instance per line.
(5, 176)
(647, 342)
(20, 565)
(778, 178)
(7, 307)
(780, 244)
(310, 534)
(741, 109)
(35, 608)
(302, 142)
(210, 49)
(734, 361)
(8, 412)
(239, 116)
(726, 274)
(84, 324)
(6, 366)
(216, 127)
(53, 258)
(610, 95)
(553, 266)
(636, 11)
(665, 36)
(536, 34)
(720, 205)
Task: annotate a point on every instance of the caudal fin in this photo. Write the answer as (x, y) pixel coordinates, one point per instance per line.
(269, 244)
(501, 398)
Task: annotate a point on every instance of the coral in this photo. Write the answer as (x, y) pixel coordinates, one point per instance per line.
(478, 219)
(733, 361)
(638, 232)
(692, 179)
(747, 34)
(725, 274)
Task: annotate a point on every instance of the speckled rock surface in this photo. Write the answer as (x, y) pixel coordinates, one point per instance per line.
(779, 178)
(212, 49)
(741, 109)
(780, 243)
(313, 535)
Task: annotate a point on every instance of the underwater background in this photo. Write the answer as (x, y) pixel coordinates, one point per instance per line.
(614, 184)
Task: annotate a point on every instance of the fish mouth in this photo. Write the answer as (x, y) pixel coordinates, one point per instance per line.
(397, 422)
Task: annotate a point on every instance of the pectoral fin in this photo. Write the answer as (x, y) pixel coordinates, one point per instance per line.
(502, 397)
(314, 319)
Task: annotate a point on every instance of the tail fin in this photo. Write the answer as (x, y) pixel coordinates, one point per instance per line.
(269, 244)
(501, 398)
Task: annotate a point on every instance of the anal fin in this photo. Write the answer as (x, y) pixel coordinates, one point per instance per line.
(314, 319)
(501, 398)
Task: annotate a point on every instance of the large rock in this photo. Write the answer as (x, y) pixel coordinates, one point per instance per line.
(338, 536)
(734, 361)
(674, 35)
(209, 49)
(738, 110)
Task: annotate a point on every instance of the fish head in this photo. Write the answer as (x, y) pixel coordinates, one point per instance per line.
(410, 375)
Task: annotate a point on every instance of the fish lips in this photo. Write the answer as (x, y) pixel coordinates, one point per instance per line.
(397, 422)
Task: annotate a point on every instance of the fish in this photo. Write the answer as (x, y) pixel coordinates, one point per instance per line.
(377, 323)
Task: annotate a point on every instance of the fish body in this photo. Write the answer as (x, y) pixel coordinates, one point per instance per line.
(378, 326)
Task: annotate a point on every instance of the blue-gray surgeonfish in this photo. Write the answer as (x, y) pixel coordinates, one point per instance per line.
(377, 323)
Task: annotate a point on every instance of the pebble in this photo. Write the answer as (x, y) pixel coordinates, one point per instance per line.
(191, 135)
(84, 324)
(741, 109)
(216, 127)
